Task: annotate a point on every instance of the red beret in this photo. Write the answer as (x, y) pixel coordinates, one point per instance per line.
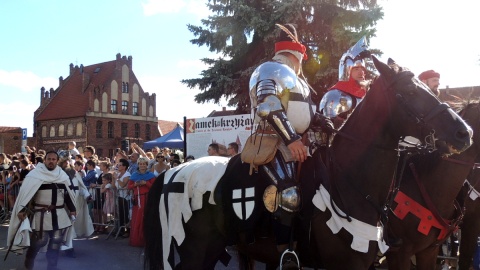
(428, 74)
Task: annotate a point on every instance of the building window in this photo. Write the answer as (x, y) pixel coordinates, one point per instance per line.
(79, 129)
(61, 130)
(137, 130)
(135, 108)
(99, 129)
(111, 153)
(99, 152)
(70, 130)
(113, 106)
(44, 131)
(124, 129)
(52, 131)
(124, 87)
(147, 132)
(124, 107)
(110, 130)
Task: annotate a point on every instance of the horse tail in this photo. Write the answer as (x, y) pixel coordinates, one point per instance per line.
(152, 228)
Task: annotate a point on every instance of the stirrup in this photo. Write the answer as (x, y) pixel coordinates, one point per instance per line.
(289, 252)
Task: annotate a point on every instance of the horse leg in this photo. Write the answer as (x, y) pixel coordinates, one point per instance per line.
(468, 243)
(399, 259)
(427, 258)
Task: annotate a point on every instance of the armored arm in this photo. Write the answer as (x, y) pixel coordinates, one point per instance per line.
(270, 109)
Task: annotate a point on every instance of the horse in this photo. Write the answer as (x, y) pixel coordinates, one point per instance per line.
(362, 158)
(423, 210)
(470, 227)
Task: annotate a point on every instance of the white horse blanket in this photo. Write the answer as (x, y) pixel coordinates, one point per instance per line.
(197, 177)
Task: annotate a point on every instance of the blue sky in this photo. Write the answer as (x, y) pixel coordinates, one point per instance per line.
(41, 38)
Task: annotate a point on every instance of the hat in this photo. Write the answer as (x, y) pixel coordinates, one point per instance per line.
(428, 74)
(288, 41)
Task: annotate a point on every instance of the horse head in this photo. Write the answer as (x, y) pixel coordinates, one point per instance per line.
(415, 111)
(471, 114)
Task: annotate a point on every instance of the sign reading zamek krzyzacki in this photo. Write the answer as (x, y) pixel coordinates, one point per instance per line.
(222, 130)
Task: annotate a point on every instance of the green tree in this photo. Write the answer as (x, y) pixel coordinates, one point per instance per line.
(242, 32)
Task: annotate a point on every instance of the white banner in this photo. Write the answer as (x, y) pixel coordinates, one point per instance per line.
(221, 130)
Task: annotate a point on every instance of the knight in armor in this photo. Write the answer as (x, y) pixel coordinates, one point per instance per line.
(44, 198)
(282, 105)
(340, 100)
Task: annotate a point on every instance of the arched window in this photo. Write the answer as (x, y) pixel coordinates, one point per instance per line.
(70, 129)
(99, 129)
(52, 131)
(44, 131)
(61, 130)
(79, 129)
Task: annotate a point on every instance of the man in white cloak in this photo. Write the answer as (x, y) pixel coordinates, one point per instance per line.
(82, 226)
(44, 197)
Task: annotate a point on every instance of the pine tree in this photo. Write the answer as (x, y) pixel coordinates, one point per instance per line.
(243, 32)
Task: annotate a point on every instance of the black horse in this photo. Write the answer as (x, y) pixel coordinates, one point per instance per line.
(361, 162)
(470, 227)
(426, 197)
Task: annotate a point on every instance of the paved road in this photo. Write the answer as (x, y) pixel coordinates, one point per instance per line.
(96, 252)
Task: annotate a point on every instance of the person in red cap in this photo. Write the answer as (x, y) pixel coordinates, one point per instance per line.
(431, 79)
(283, 108)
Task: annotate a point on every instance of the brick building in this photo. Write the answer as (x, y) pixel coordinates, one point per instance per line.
(10, 139)
(99, 105)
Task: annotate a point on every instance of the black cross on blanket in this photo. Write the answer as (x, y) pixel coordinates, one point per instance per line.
(170, 187)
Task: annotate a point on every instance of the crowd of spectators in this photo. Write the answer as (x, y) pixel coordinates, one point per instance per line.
(113, 182)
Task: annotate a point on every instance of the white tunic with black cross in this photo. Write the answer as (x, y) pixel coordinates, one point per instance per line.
(56, 218)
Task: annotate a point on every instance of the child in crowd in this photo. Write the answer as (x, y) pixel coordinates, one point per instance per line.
(107, 189)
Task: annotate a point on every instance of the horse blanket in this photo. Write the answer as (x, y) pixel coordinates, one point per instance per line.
(183, 190)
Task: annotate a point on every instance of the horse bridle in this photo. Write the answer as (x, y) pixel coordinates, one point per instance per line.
(418, 119)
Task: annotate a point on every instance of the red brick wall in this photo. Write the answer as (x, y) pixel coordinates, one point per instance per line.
(12, 141)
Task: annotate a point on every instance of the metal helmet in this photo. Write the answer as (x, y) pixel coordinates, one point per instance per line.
(63, 154)
(353, 57)
(336, 102)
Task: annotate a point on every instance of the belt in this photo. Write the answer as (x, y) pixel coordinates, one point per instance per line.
(45, 208)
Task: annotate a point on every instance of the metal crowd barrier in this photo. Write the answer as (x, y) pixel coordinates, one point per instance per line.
(4, 211)
(114, 222)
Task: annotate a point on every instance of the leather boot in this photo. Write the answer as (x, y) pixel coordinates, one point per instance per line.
(52, 258)
(30, 258)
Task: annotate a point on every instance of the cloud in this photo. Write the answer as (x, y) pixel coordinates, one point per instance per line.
(26, 81)
(175, 100)
(18, 114)
(154, 7)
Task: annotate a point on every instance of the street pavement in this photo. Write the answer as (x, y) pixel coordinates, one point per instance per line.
(96, 252)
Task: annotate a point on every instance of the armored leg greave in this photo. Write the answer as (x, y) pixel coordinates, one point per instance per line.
(286, 201)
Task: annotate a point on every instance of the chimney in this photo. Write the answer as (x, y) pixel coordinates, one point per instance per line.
(117, 62)
(42, 95)
(130, 62)
(71, 69)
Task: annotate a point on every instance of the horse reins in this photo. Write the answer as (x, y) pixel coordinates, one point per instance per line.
(418, 119)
